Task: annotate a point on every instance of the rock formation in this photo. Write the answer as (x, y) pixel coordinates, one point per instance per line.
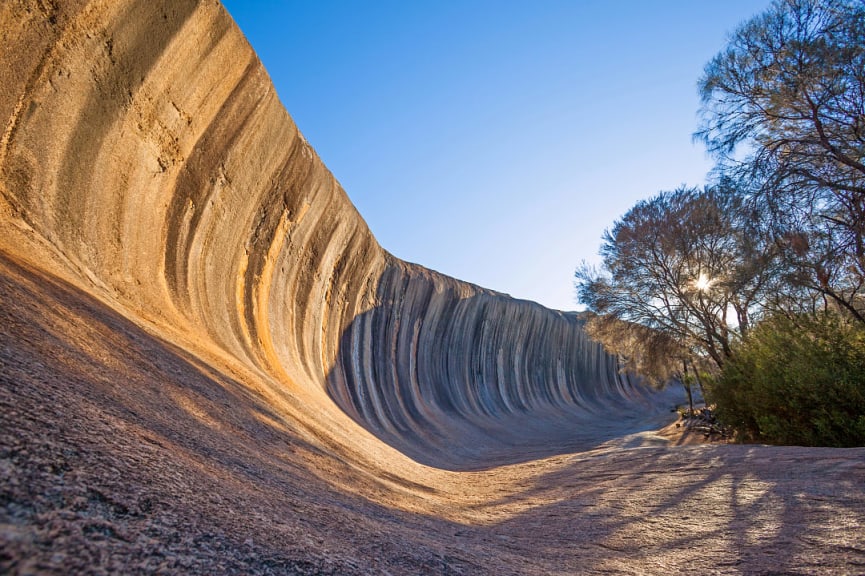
(145, 142)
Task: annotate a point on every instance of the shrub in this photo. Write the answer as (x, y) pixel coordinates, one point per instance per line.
(796, 381)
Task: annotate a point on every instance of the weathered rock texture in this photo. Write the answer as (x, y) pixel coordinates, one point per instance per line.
(457, 376)
(145, 142)
(208, 365)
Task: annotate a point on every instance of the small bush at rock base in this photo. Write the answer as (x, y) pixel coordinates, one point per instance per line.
(796, 381)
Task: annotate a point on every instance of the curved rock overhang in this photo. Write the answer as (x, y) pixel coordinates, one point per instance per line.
(144, 142)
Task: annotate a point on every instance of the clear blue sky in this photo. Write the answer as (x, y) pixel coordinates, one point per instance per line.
(495, 140)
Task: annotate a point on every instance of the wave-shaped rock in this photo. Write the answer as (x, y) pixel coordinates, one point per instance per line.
(455, 375)
(144, 142)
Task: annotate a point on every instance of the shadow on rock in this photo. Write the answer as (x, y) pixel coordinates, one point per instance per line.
(469, 381)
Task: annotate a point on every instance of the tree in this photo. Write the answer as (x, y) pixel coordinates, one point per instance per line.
(681, 265)
(783, 106)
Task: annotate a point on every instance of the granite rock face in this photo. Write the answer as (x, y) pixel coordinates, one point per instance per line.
(457, 376)
(144, 142)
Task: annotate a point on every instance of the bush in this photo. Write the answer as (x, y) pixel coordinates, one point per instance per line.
(797, 381)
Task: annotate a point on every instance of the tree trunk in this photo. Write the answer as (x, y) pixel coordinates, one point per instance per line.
(686, 381)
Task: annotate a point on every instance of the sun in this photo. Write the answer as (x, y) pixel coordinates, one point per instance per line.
(703, 282)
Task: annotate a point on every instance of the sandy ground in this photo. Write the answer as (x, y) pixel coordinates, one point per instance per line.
(122, 453)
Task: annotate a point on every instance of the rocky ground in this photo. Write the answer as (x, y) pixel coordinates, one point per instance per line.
(120, 453)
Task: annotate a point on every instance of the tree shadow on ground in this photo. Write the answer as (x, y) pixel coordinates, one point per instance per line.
(714, 508)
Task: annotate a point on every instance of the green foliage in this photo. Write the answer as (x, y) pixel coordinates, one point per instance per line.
(796, 381)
